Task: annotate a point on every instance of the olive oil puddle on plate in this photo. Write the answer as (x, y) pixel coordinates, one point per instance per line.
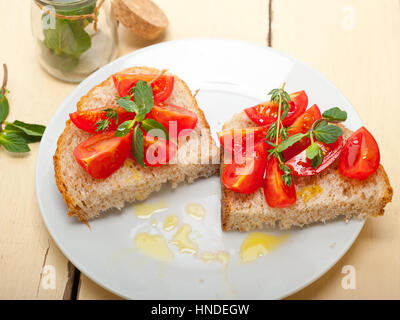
(195, 210)
(220, 256)
(154, 246)
(159, 245)
(170, 222)
(182, 241)
(259, 244)
(146, 210)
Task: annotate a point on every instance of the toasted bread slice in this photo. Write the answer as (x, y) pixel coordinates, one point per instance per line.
(320, 198)
(87, 197)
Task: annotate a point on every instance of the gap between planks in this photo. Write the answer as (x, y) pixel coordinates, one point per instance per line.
(270, 17)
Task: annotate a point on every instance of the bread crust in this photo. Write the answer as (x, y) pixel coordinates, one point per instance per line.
(73, 207)
(388, 192)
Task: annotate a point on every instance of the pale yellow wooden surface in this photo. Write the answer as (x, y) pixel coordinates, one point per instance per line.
(356, 45)
(34, 97)
(361, 59)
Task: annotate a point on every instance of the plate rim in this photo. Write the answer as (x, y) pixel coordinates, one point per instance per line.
(76, 263)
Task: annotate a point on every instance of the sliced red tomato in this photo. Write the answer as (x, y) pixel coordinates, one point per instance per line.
(238, 140)
(276, 192)
(360, 156)
(301, 125)
(247, 176)
(157, 151)
(86, 120)
(102, 154)
(162, 87)
(301, 165)
(267, 112)
(169, 115)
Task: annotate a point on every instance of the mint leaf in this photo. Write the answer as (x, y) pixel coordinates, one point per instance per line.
(314, 153)
(68, 40)
(290, 141)
(137, 146)
(29, 129)
(4, 107)
(152, 125)
(128, 105)
(327, 133)
(13, 142)
(10, 128)
(144, 99)
(335, 115)
(124, 128)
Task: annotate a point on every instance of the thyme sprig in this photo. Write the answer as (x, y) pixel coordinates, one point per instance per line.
(322, 130)
(282, 98)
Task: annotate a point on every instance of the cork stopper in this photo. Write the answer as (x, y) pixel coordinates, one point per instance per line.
(142, 17)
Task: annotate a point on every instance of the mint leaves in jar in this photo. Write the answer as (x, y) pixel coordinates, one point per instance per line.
(74, 37)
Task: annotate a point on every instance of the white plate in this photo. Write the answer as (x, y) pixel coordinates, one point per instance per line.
(230, 75)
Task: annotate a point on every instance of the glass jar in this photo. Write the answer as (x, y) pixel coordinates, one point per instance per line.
(74, 37)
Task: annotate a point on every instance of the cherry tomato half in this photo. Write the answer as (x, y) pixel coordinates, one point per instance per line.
(157, 151)
(301, 125)
(164, 113)
(301, 165)
(86, 120)
(247, 176)
(267, 112)
(360, 156)
(276, 192)
(102, 154)
(238, 140)
(162, 87)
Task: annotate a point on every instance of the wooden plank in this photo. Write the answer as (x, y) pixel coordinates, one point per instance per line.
(89, 290)
(25, 245)
(190, 19)
(206, 18)
(355, 44)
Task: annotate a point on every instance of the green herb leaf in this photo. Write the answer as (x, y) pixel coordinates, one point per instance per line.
(35, 130)
(327, 133)
(124, 128)
(64, 44)
(272, 131)
(290, 141)
(137, 146)
(335, 115)
(4, 107)
(10, 128)
(283, 132)
(105, 123)
(314, 153)
(128, 105)
(144, 99)
(286, 96)
(68, 37)
(13, 142)
(287, 174)
(270, 143)
(150, 125)
(102, 125)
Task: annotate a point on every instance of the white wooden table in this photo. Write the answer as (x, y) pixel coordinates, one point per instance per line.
(354, 43)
